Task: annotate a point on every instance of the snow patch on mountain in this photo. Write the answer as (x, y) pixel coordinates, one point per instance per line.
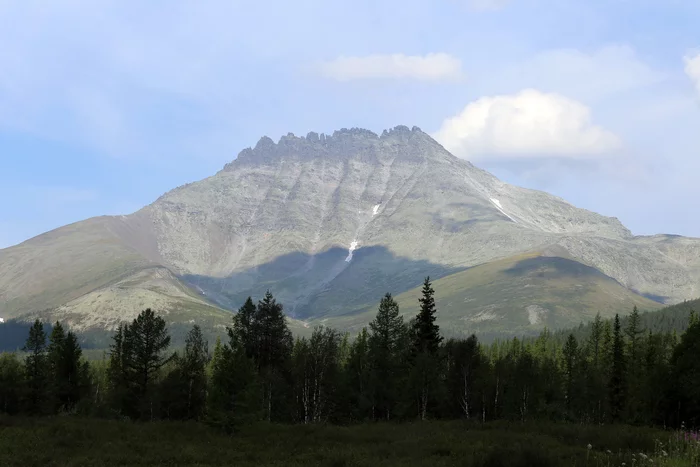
(498, 204)
(352, 248)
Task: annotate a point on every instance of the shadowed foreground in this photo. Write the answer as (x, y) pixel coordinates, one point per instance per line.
(68, 441)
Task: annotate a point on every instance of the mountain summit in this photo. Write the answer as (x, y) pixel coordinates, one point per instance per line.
(329, 223)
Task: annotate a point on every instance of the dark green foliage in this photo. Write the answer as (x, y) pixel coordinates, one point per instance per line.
(185, 388)
(426, 334)
(242, 332)
(136, 358)
(233, 397)
(315, 368)
(69, 376)
(357, 379)
(685, 378)
(387, 352)
(618, 384)
(11, 383)
(394, 372)
(37, 370)
(463, 371)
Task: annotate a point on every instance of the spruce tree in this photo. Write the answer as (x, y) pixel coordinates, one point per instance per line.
(634, 332)
(37, 370)
(118, 384)
(426, 333)
(617, 383)
(426, 343)
(68, 379)
(138, 356)
(570, 353)
(192, 368)
(386, 332)
(273, 341)
(243, 331)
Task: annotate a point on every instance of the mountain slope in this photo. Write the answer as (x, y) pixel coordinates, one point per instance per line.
(330, 223)
(520, 295)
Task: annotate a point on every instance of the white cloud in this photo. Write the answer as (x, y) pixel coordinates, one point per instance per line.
(530, 124)
(692, 69)
(430, 67)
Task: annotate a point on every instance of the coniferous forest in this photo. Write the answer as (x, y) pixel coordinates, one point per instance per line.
(612, 381)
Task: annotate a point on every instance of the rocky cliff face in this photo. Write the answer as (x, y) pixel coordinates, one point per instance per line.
(330, 223)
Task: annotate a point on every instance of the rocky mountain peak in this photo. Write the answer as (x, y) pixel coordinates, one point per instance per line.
(343, 143)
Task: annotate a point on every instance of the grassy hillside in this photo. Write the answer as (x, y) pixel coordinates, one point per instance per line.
(518, 296)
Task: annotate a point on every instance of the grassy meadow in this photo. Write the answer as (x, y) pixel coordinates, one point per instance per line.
(70, 441)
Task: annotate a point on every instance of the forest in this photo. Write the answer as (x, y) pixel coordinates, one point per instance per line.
(616, 375)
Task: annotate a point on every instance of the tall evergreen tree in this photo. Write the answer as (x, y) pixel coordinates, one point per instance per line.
(426, 343)
(571, 354)
(37, 369)
(136, 358)
(274, 348)
(118, 371)
(617, 383)
(385, 338)
(244, 331)
(426, 333)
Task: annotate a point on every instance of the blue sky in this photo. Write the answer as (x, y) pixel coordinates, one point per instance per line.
(105, 105)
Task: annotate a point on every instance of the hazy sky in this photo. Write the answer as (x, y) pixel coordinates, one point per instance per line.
(105, 105)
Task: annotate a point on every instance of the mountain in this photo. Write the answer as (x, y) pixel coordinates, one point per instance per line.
(329, 223)
(518, 295)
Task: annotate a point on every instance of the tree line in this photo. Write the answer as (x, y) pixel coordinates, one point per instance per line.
(393, 370)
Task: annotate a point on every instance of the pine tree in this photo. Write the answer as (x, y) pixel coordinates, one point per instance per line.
(37, 369)
(426, 343)
(386, 332)
(595, 340)
(136, 358)
(119, 393)
(634, 332)
(274, 348)
(597, 348)
(243, 331)
(192, 372)
(617, 383)
(68, 377)
(570, 353)
(426, 333)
